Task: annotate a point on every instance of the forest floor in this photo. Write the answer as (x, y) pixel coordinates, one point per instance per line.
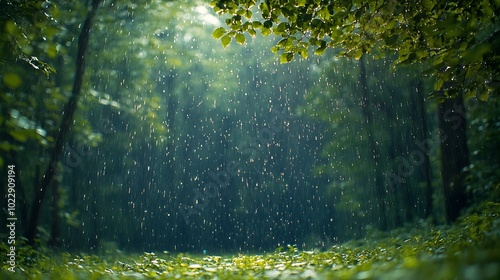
(468, 249)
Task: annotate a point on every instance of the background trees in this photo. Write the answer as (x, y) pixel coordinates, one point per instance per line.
(404, 191)
(460, 40)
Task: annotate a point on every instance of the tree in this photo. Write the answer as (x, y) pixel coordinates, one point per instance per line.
(65, 126)
(367, 106)
(459, 39)
(28, 98)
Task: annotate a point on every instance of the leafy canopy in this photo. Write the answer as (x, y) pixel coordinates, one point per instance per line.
(459, 39)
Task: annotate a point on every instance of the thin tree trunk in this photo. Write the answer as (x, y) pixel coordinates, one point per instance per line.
(55, 209)
(426, 168)
(378, 182)
(454, 156)
(64, 128)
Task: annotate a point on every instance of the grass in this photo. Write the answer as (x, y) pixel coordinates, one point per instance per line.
(468, 249)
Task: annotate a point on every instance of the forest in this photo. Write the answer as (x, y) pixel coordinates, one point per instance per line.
(245, 139)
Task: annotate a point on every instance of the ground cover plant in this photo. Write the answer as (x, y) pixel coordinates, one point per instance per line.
(467, 249)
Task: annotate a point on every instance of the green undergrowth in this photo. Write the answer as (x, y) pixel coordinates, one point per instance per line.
(468, 249)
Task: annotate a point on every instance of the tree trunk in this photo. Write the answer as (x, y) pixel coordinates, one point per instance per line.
(378, 181)
(55, 230)
(454, 156)
(64, 128)
(424, 134)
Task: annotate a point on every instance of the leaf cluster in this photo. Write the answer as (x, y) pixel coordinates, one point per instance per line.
(458, 38)
(26, 30)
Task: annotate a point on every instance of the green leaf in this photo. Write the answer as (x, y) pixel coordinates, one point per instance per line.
(240, 38)
(290, 43)
(324, 13)
(476, 53)
(391, 40)
(336, 34)
(248, 14)
(304, 52)
(484, 95)
(257, 24)
(11, 27)
(486, 8)
(319, 51)
(472, 70)
(51, 50)
(439, 83)
(357, 54)
(6, 146)
(240, 12)
(245, 26)
(12, 80)
(19, 136)
(264, 8)
(266, 31)
(428, 4)
(218, 32)
(281, 27)
(286, 57)
(281, 43)
(51, 31)
(470, 93)
(225, 40)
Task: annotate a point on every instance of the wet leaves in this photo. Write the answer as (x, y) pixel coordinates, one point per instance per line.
(218, 32)
(450, 37)
(468, 250)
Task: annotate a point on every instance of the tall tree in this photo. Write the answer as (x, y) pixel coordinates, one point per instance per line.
(378, 183)
(454, 155)
(418, 99)
(65, 126)
(28, 99)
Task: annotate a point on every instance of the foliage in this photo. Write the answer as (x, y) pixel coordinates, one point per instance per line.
(484, 133)
(27, 29)
(468, 249)
(27, 33)
(458, 38)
